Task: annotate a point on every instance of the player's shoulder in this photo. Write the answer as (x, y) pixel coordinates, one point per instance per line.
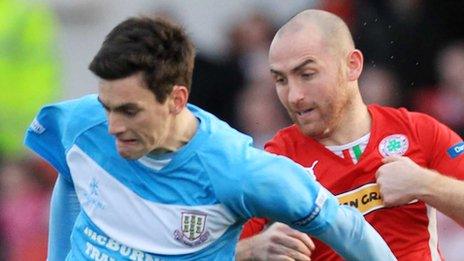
(68, 108)
(286, 134)
(288, 131)
(226, 152)
(219, 140)
(286, 140)
(71, 117)
(390, 115)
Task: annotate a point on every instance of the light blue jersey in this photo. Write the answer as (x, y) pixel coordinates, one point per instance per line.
(195, 206)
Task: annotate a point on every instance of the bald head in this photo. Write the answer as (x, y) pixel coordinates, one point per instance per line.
(315, 68)
(331, 28)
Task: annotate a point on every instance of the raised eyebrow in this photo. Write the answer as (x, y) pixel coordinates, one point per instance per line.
(276, 72)
(302, 64)
(294, 69)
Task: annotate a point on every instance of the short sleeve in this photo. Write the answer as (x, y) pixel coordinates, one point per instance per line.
(443, 148)
(45, 137)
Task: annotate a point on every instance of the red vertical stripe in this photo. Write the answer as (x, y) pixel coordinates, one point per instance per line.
(347, 155)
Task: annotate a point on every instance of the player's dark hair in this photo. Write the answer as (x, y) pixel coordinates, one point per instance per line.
(159, 49)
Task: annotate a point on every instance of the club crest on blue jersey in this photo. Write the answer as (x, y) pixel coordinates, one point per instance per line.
(192, 232)
(394, 145)
(456, 150)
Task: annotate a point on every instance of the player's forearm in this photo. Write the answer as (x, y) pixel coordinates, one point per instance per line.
(443, 193)
(353, 238)
(244, 250)
(64, 209)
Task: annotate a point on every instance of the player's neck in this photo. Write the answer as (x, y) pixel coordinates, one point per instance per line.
(182, 130)
(355, 123)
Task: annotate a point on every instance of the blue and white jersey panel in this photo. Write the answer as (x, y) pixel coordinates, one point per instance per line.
(173, 211)
(91, 243)
(139, 222)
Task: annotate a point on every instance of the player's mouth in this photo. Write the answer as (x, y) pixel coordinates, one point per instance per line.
(301, 113)
(305, 115)
(126, 142)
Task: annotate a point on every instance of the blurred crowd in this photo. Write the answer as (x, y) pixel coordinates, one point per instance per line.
(414, 57)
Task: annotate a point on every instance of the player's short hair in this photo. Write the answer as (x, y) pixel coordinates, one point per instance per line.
(159, 49)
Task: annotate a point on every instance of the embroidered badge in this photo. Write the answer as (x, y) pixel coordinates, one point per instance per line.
(394, 145)
(192, 232)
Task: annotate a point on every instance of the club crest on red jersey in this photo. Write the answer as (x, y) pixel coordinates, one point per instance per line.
(192, 232)
(394, 145)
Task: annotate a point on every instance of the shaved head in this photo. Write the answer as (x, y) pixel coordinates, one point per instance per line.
(315, 68)
(332, 29)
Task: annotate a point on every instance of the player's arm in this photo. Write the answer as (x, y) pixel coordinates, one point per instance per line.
(444, 193)
(64, 208)
(401, 180)
(277, 242)
(344, 229)
(281, 190)
(45, 137)
(353, 238)
(441, 184)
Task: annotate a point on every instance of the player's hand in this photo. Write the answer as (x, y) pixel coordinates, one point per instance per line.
(281, 242)
(398, 180)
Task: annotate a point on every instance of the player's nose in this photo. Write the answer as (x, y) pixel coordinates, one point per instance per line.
(115, 124)
(295, 95)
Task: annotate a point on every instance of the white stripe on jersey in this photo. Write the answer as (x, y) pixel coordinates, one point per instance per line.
(432, 228)
(338, 149)
(156, 164)
(132, 220)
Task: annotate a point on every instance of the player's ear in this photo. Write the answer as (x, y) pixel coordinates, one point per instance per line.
(178, 98)
(355, 64)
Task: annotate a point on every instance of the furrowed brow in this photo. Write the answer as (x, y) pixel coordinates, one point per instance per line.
(294, 69)
(122, 107)
(302, 64)
(275, 72)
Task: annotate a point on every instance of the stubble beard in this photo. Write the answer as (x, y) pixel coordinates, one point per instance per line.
(329, 121)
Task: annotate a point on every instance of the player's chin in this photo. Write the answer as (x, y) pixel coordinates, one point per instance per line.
(311, 129)
(130, 154)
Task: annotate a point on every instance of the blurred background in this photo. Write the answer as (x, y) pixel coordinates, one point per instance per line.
(414, 57)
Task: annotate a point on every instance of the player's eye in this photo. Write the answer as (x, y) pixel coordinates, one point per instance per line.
(307, 75)
(279, 80)
(130, 112)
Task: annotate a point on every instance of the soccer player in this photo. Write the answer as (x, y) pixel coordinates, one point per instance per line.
(146, 176)
(371, 157)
